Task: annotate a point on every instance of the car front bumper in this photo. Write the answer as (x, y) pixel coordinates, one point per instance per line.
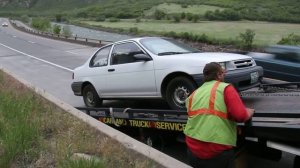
(239, 78)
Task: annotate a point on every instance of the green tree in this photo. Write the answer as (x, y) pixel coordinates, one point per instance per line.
(42, 24)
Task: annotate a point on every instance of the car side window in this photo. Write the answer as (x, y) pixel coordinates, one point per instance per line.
(290, 57)
(101, 57)
(124, 53)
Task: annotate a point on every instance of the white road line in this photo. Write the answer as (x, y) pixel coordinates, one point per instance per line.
(37, 58)
(31, 42)
(72, 52)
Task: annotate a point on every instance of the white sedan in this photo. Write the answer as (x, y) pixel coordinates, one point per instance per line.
(153, 67)
(4, 24)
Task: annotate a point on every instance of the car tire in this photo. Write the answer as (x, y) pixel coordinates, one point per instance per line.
(178, 90)
(90, 97)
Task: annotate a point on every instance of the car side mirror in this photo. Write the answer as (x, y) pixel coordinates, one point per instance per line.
(142, 57)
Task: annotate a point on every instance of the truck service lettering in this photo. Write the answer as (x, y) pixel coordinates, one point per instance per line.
(110, 121)
(145, 124)
(170, 126)
(136, 123)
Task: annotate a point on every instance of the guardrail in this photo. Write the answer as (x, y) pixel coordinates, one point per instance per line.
(72, 39)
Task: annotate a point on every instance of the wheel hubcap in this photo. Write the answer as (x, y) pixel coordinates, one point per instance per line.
(90, 97)
(180, 95)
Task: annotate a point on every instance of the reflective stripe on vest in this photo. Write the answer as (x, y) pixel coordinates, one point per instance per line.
(211, 109)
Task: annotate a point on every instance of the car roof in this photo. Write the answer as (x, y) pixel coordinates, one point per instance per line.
(283, 49)
(138, 39)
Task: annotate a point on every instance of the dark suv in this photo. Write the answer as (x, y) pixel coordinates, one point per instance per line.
(280, 62)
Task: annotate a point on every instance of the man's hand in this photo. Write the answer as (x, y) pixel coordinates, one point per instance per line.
(250, 112)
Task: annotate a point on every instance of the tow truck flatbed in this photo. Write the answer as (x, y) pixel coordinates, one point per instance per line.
(272, 126)
(279, 131)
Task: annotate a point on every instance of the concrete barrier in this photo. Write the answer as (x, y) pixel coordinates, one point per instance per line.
(122, 138)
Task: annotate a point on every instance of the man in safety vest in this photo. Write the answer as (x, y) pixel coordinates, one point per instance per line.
(213, 110)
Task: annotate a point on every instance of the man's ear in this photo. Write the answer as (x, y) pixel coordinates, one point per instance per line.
(219, 76)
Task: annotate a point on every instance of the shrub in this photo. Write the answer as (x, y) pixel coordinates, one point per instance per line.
(82, 14)
(100, 19)
(189, 16)
(56, 29)
(112, 19)
(196, 18)
(158, 14)
(228, 14)
(58, 17)
(203, 38)
(25, 18)
(247, 38)
(176, 18)
(183, 15)
(138, 20)
(184, 5)
(133, 30)
(291, 39)
(170, 34)
(67, 31)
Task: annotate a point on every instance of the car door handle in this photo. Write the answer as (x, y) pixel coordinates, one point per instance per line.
(111, 70)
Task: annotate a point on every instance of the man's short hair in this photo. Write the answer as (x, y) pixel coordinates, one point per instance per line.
(211, 70)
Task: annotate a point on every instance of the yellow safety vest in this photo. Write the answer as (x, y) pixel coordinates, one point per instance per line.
(207, 115)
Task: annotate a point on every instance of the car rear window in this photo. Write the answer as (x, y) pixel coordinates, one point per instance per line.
(160, 45)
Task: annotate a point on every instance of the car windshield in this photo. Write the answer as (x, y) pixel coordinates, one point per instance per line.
(161, 46)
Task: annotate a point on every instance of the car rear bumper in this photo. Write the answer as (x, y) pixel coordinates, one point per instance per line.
(240, 79)
(76, 87)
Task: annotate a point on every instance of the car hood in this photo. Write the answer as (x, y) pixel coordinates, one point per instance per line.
(259, 56)
(198, 59)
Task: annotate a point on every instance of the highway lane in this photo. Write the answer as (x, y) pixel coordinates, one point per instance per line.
(48, 64)
(45, 63)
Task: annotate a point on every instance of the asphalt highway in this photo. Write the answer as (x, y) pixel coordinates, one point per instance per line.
(48, 64)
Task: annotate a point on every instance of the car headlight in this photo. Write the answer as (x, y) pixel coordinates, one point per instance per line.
(223, 65)
(227, 65)
(230, 66)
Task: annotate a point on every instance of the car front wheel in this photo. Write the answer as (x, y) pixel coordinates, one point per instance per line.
(90, 97)
(178, 90)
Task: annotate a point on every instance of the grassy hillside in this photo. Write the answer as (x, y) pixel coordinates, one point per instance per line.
(172, 8)
(34, 133)
(266, 33)
(267, 10)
